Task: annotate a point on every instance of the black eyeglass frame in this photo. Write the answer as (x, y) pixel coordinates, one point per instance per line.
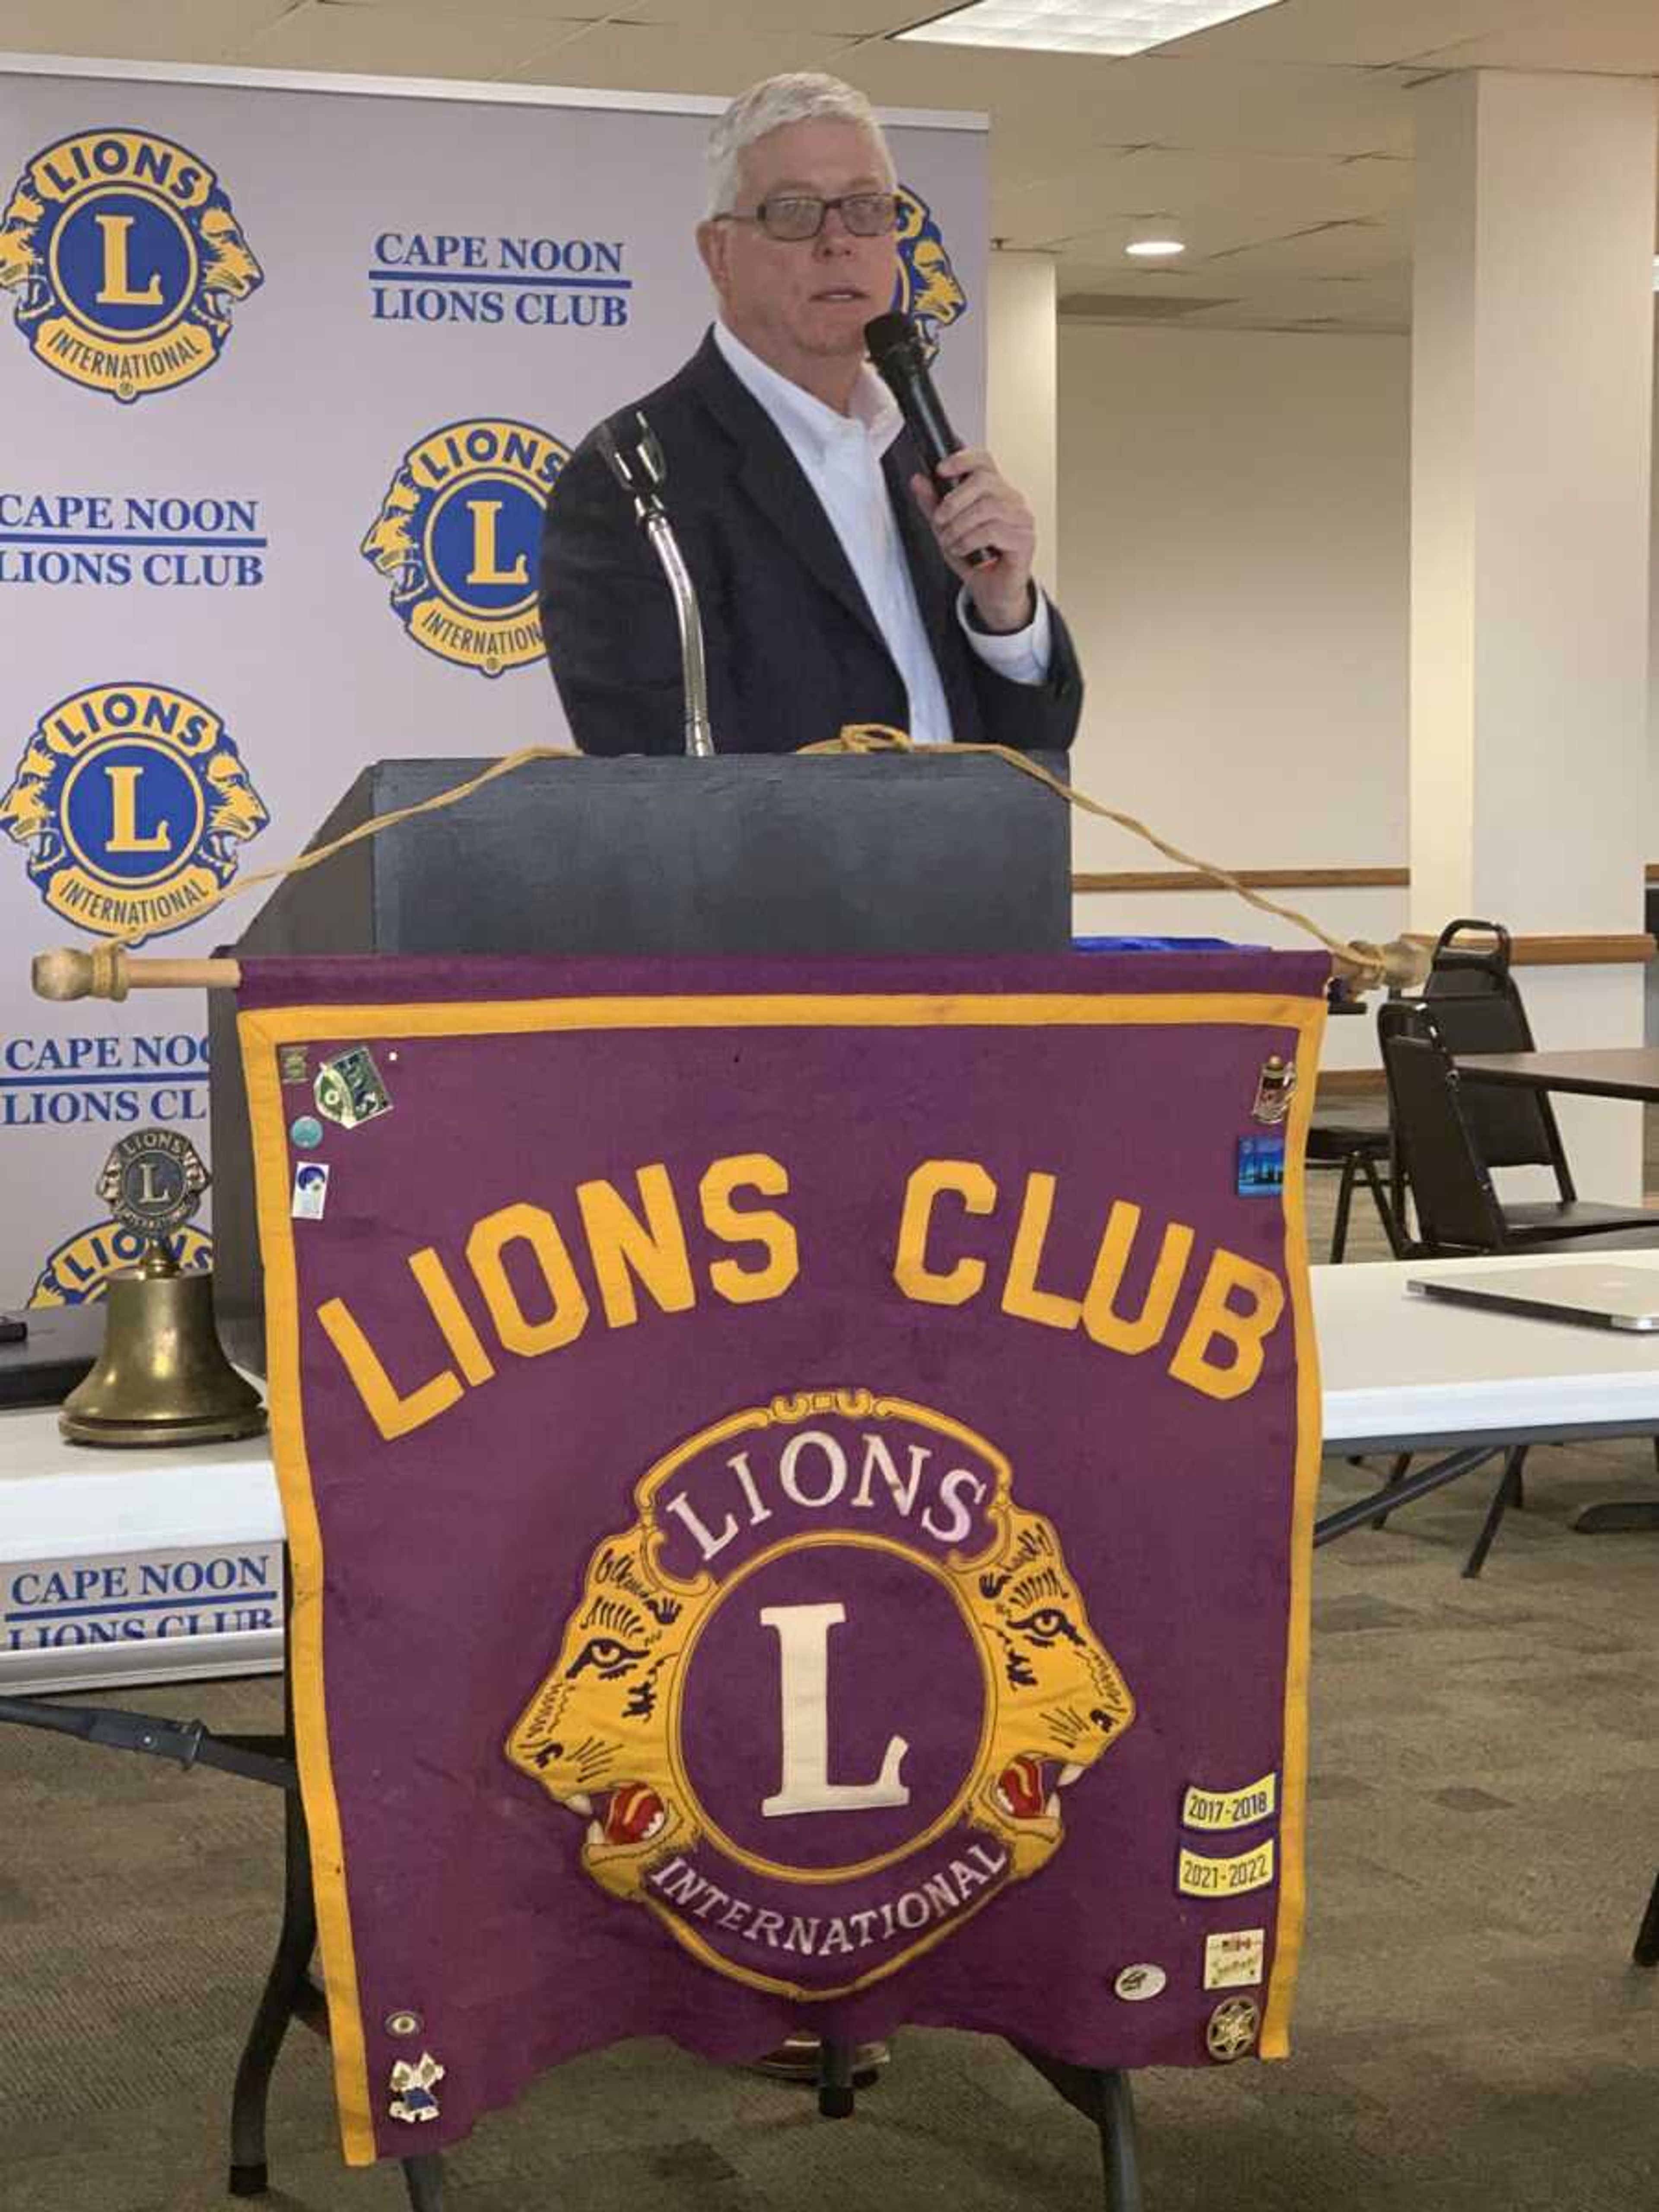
(840, 203)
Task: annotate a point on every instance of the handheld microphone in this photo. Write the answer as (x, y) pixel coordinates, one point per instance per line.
(895, 353)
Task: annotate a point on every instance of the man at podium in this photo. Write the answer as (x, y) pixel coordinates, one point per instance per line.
(835, 585)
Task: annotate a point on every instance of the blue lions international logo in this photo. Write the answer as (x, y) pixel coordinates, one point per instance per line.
(126, 255)
(929, 289)
(133, 801)
(459, 533)
(77, 1273)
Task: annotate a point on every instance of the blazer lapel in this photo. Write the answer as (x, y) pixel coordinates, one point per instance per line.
(770, 475)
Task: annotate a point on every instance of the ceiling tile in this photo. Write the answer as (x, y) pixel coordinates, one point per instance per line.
(843, 18)
(1196, 194)
(398, 41)
(1250, 140)
(1366, 34)
(566, 16)
(1608, 38)
(647, 58)
(114, 30)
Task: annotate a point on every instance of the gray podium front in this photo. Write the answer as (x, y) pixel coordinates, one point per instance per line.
(943, 852)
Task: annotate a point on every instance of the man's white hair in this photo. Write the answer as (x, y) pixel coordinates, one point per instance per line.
(800, 96)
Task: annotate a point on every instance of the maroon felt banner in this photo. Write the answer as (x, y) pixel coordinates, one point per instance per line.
(799, 1478)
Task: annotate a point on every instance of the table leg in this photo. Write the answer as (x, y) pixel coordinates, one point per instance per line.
(284, 1998)
(1401, 1493)
(424, 2178)
(1507, 1494)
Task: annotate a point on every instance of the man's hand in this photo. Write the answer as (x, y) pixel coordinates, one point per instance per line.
(983, 508)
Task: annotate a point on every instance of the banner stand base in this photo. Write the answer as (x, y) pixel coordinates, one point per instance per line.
(1106, 2097)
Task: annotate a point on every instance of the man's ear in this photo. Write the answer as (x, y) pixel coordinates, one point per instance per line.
(713, 244)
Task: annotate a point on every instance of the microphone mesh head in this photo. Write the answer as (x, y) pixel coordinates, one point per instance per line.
(887, 336)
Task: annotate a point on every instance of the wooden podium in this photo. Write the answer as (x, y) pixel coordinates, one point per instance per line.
(744, 854)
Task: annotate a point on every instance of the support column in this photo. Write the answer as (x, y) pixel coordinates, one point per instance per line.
(1022, 404)
(1532, 430)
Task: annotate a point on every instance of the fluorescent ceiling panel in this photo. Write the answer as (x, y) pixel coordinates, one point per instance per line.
(1080, 26)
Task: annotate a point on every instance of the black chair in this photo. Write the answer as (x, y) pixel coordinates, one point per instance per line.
(1362, 1149)
(1472, 1000)
(1457, 1210)
(1440, 1131)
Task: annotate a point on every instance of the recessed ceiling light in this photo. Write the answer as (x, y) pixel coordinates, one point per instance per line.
(1155, 249)
(1079, 26)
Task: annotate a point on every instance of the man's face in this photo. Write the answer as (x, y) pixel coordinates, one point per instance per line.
(806, 301)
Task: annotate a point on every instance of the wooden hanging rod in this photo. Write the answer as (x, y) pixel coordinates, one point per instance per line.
(109, 971)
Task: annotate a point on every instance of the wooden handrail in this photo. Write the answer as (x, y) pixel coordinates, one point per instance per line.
(1258, 879)
(1605, 949)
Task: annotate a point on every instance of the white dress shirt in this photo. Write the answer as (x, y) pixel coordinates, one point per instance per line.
(840, 456)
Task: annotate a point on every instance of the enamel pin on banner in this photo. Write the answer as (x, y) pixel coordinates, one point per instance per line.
(819, 1538)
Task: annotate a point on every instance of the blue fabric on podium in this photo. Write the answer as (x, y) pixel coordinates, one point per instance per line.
(1161, 944)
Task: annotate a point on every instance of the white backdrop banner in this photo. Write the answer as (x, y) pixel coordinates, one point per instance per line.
(286, 367)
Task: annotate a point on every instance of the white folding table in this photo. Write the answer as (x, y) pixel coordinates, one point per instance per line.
(135, 1566)
(140, 1566)
(1400, 1373)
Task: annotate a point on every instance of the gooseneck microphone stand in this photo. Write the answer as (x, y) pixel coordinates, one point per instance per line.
(641, 472)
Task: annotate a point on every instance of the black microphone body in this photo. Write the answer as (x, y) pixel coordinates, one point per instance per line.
(895, 353)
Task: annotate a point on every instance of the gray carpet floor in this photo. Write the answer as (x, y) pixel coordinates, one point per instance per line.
(1471, 2035)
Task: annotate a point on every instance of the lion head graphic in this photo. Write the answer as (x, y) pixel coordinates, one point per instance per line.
(601, 1734)
(1060, 1700)
(20, 251)
(929, 288)
(229, 269)
(595, 1734)
(26, 813)
(389, 544)
(236, 812)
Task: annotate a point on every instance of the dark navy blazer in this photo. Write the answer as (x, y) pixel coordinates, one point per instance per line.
(794, 651)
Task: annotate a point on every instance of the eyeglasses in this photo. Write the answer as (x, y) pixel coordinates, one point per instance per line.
(793, 217)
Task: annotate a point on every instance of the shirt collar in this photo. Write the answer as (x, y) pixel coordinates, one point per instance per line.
(799, 414)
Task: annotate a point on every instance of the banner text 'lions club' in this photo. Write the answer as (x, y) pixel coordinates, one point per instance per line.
(637, 1248)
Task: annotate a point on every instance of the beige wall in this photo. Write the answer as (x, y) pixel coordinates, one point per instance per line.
(1233, 541)
(1234, 514)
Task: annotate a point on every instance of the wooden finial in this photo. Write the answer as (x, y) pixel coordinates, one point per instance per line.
(71, 973)
(110, 971)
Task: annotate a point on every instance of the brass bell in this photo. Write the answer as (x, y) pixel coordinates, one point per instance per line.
(162, 1377)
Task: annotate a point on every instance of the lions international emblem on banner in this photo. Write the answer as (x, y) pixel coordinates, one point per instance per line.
(737, 1716)
(133, 803)
(126, 255)
(929, 289)
(459, 533)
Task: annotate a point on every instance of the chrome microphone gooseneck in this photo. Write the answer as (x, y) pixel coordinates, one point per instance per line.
(641, 472)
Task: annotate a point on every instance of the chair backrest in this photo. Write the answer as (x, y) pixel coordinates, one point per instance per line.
(1457, 1209)
(1475, 1006)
